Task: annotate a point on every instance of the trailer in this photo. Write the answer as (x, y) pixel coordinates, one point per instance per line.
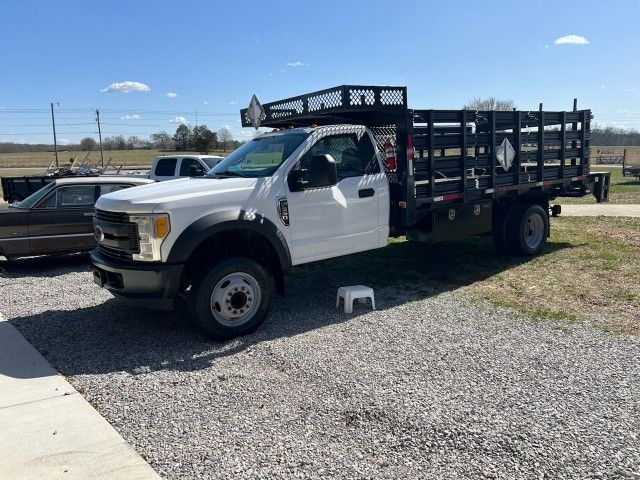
(631, 164)
(15, 189)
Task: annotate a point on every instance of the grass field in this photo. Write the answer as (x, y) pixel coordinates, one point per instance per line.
(589, 271)
(130, 158)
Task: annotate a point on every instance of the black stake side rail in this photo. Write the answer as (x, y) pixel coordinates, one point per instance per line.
(449, 156)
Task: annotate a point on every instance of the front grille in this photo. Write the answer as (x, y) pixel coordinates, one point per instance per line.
(120, 235)
(113, 217)
(114, 252)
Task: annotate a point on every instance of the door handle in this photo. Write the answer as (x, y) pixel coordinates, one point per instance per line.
(365, 192)
(89, 214)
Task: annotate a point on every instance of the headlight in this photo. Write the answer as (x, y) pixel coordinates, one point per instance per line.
(152, 230)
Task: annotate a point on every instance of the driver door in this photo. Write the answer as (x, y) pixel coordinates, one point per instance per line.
(344, 218)
(64, 220)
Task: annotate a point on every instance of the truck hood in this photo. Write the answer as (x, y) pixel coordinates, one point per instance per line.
(173, 194)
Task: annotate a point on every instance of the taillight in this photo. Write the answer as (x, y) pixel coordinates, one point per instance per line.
(410, 151)
(390, 162)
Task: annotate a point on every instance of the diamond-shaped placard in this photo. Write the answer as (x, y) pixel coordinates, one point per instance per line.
(255, 112)
(505, 154)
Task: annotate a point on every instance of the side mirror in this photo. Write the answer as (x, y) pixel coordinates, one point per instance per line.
(294, 180)
(196, 171)
(322, 171)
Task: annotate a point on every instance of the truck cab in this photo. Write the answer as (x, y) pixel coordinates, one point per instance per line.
(285, 198)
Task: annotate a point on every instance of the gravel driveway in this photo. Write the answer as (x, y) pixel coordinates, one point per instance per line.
(428, 386)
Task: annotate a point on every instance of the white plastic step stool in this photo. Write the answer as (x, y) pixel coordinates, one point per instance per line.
(350, 293)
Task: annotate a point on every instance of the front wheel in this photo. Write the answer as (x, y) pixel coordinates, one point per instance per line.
(232, 299)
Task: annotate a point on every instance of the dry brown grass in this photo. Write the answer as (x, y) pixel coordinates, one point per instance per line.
(131, 158)
(594, 276)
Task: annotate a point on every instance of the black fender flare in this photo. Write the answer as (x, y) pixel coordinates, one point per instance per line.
(227, 220)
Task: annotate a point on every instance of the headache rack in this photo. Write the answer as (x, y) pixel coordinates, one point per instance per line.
(449, 157)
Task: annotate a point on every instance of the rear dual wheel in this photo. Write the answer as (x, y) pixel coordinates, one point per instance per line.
(522, 229)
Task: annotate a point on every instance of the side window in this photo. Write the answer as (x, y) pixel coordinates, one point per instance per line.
(188, 164)
(354, 156)
(111, 187)
(50, 201)
(76, 196)
(166, 167)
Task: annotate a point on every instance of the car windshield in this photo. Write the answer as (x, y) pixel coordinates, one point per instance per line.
(260, 157)
(35, 197)
(211, 162)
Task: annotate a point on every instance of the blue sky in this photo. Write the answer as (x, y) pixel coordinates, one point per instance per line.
(213, 57)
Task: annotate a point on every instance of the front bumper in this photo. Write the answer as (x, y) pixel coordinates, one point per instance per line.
(153, 285)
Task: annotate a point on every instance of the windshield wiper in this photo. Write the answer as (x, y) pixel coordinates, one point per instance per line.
(228, 174)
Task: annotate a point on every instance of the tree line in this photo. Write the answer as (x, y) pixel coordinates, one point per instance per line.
(200, 139)
(612, 136)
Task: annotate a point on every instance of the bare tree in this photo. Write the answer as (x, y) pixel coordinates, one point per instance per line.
(162, 141)
(88, 144)
(224, 137)
(490, 103)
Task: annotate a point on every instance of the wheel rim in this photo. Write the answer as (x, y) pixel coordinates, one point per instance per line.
(235, 299)
(534, 230)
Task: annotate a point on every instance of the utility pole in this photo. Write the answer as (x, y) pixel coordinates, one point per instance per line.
(55, 140)
(100, 137)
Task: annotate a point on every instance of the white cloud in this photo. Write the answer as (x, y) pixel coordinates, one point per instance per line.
(245, 134)
(127, 87)
(204, 102)
(181, 120)
(603, 86)
(233, 102)
(135, 116)
(297, 64)
(571, 40)
(172, 94)
(64, 141)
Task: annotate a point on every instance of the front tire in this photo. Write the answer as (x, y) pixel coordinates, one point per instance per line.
(527, 229)
(232, 299)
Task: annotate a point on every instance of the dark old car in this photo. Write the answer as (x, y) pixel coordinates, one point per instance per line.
(57, 218)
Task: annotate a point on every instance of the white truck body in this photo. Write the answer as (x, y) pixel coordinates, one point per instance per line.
(325, 222)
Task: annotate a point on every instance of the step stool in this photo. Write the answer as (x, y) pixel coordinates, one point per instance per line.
(352, 292)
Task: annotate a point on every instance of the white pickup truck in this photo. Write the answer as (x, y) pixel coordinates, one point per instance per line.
(298, 195)
(170, 167)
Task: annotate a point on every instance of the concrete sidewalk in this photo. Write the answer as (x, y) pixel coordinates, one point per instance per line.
(48, 430)
(598, 209)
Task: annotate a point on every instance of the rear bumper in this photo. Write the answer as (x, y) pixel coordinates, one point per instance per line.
(152, 286)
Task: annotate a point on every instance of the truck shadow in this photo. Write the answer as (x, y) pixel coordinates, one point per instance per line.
(44, 266)
(112, 337)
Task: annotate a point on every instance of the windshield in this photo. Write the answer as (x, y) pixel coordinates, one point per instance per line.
(34, 198)
(212, 161)
(260, 157)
